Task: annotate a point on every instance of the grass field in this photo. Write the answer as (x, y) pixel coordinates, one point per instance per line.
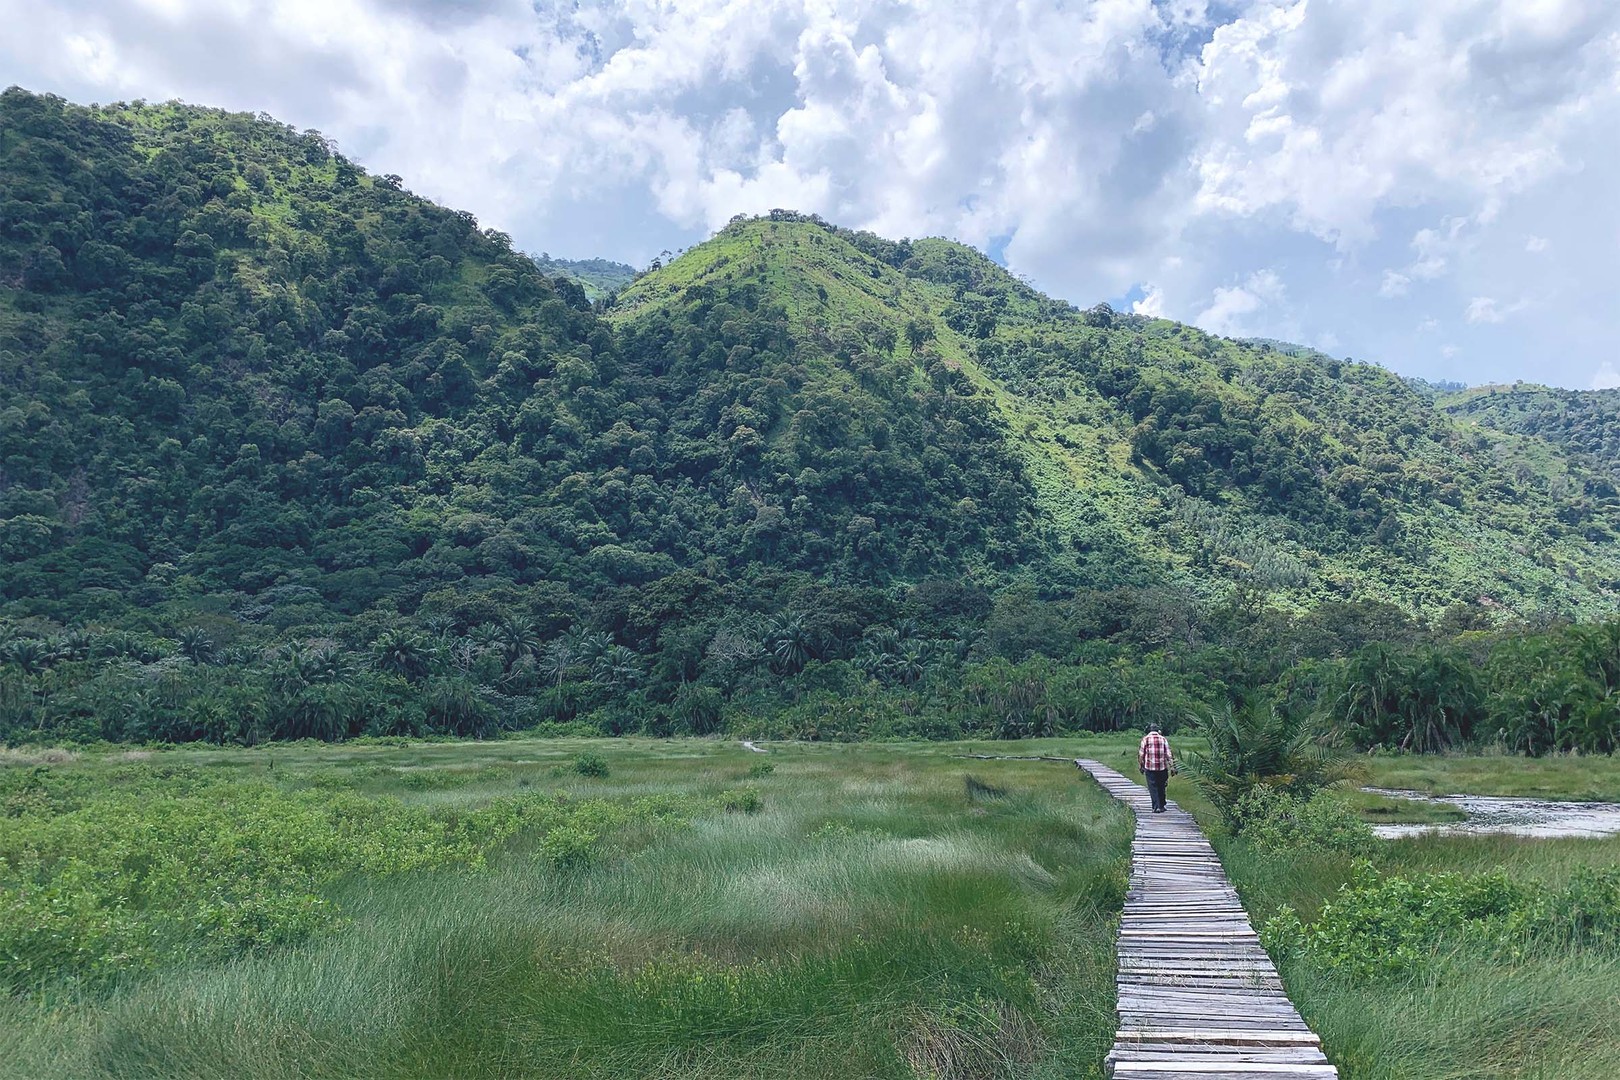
(821, 910)
(641, 908)
(1472, 1006)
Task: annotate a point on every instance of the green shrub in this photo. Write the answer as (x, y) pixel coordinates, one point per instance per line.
(569, 847)
(1277, 823)
(1387, 926)
(592, 765)
(744, 800)
(1261, 746)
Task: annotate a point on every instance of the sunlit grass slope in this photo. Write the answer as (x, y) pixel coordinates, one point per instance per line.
(1160, 452)
(878, 911)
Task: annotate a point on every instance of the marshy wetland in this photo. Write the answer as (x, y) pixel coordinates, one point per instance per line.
(688, 908)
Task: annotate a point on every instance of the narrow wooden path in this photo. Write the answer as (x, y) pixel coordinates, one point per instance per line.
(1199, 998)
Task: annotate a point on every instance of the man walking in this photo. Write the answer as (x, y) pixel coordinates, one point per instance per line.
(1154, 759)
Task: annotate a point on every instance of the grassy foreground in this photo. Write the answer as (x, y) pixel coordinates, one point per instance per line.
(504, 909)
(1478, 1000)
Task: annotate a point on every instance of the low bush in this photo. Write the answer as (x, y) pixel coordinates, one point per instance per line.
(1278, 823)
(1261, 746)
(743, 800)
(568, 847)
(1387, 926)
(591, 765)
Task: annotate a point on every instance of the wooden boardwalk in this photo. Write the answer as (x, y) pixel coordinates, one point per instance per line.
(1198, 997)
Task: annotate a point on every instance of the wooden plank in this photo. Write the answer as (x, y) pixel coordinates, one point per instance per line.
(1243, 1070)
(1197, 995)
(1183, 1055)
(1221, 1035)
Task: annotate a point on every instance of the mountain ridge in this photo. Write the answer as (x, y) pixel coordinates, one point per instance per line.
(1102, 445)
(287, 451)
(850, 407)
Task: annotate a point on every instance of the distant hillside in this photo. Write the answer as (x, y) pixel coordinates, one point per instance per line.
(1159, 452)
(369, 469)
(1584, 423)
(245, 378)
(240, 367)
(599, 277)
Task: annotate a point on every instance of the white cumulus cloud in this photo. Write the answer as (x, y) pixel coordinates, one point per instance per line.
(1366, 149)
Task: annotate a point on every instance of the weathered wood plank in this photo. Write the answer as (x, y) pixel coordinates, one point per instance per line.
(1198, 996)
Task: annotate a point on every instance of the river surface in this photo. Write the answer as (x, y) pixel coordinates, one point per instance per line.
(1508, 816)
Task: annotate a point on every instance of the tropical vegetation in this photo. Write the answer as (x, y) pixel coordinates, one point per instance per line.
(287, 452)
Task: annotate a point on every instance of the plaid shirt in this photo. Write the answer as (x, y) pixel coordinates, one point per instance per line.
(1155, 753)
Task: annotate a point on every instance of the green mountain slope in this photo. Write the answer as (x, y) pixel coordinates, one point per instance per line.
(1583, 423)
(243, 377)
(599, 278)
(369, 469)
(1159, 452)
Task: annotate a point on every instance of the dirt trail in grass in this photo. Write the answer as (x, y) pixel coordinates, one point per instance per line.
(1539, 818)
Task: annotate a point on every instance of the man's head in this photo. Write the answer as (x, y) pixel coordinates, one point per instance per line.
(1153, 725)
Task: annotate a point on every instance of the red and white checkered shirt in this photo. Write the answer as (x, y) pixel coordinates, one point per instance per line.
(1155, 752)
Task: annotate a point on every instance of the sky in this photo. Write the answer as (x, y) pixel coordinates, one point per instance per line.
(1429, 185)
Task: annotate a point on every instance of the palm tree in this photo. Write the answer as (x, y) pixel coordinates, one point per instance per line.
(400, 652)
(518, 638)
(588, 645)
(485, 635)
(1261, 746)
(618, 667)
(74, 645)
(328, 664)
(29, 654)
(1424, 701)
(912, 661)
(1441, 700)
(289, 672)
(455, 706)
(790, 643)
(440, 625)
(196, 646)
(698, 708)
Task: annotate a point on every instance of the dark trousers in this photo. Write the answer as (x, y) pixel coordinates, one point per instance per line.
(1156, 780)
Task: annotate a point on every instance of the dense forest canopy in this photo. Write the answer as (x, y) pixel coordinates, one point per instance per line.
(1583, 423)
(285, 450)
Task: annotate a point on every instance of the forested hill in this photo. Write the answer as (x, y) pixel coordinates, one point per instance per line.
(248, 386)
(1158, 453)
(1583, 423)
(599, 278)
(243, 379)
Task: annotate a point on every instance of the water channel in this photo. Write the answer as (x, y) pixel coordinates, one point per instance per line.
(1508, 816)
